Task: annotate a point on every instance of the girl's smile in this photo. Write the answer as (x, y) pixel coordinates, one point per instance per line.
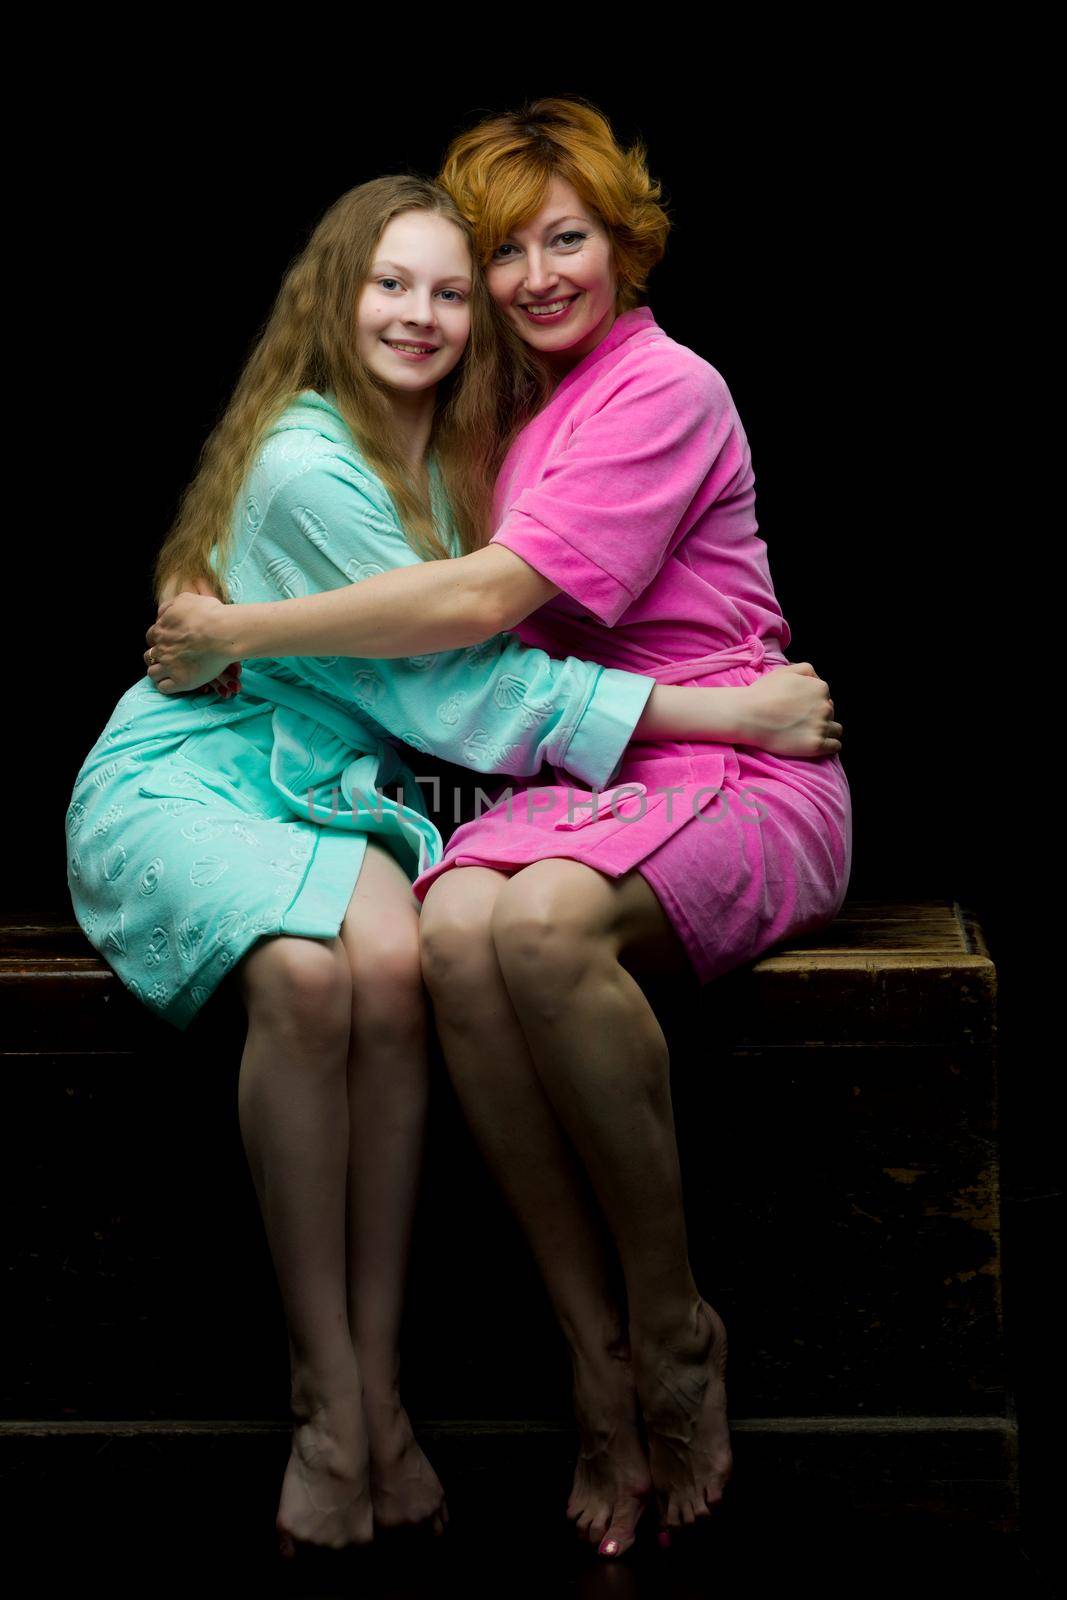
(412, 352)
(415, 310)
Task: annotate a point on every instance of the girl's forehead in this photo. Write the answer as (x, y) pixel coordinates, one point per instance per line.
(409, 222)
(422, 230)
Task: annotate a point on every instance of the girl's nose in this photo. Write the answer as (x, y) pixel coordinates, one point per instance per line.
(420, 311)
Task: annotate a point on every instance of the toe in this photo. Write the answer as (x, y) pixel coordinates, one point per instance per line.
(599, 1527)
(617, 1540)
(622, 1529)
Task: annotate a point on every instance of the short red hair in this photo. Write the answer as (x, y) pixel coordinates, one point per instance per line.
(498, 173)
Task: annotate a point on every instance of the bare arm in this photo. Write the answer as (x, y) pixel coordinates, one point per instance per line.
(787, 711)
(416, 610)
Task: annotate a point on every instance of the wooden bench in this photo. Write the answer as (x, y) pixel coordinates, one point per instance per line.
(836, 1104)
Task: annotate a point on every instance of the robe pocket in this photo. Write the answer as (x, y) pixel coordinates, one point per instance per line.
(623, 802)
(169, 780)
(646, 815)
(227, 771)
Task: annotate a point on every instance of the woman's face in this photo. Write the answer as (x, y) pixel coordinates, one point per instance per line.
(413, 316)
(554, 278)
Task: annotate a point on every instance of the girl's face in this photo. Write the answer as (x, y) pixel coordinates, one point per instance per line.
(413, 316)
(554, 278)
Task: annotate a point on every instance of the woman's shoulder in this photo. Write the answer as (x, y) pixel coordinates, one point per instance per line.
(654, 368)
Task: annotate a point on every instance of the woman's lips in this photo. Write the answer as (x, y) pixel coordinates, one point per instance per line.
(550, 320)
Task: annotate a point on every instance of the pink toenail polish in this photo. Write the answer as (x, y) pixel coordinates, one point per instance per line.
(609, 1548)
(664, 1539)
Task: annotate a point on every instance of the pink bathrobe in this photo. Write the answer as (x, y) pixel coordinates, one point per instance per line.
(633, 492)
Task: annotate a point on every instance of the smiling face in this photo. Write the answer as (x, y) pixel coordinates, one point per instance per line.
(413, 316)
(555, 279)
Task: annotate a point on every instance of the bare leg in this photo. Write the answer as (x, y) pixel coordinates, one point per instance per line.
(388, 1087)
(294, 1122)
(532, 1160)
(559, 929)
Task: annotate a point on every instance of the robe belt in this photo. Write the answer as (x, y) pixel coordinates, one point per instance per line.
(751, 652)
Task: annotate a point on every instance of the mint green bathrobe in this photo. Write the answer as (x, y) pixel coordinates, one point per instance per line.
(200, 824)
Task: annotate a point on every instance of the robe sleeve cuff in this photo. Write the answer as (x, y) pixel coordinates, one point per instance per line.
(605, 728)
(569, 569)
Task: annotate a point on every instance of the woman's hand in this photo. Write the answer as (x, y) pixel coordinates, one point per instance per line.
(188, 644)
(228, 683)
(789, 712)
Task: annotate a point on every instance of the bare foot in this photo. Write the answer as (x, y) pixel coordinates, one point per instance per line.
(681, 1381)
(612, 1483)
(405, 1490)
(325, 1500)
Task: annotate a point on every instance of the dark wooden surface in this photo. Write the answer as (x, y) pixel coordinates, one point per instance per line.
(842, 1516)
(836, 1105)
(878, 974)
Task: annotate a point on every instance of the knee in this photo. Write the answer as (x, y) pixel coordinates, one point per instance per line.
(546, 936)
(300, 986)
(454, 942)
(387, 973)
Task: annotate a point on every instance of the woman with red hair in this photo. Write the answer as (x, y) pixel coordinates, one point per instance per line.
(625, 532)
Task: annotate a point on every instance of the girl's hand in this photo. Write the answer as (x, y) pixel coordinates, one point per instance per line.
(789, 712)
(188, 643)
(227, 684)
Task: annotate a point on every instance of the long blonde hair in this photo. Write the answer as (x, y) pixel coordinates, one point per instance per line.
(309, 342)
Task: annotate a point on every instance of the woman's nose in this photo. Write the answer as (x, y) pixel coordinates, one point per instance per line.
(539, 274)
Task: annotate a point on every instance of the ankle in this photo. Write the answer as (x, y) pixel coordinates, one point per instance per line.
(318, 1395)
(379, 1373)
(683, 1326)
(334, 1415)
(596, 1349)
(381, 1404)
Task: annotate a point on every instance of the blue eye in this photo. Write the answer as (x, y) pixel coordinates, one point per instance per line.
(454, 292)
(386, 281)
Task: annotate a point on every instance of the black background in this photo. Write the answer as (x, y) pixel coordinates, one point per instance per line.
(823, 258)
(837, 224)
